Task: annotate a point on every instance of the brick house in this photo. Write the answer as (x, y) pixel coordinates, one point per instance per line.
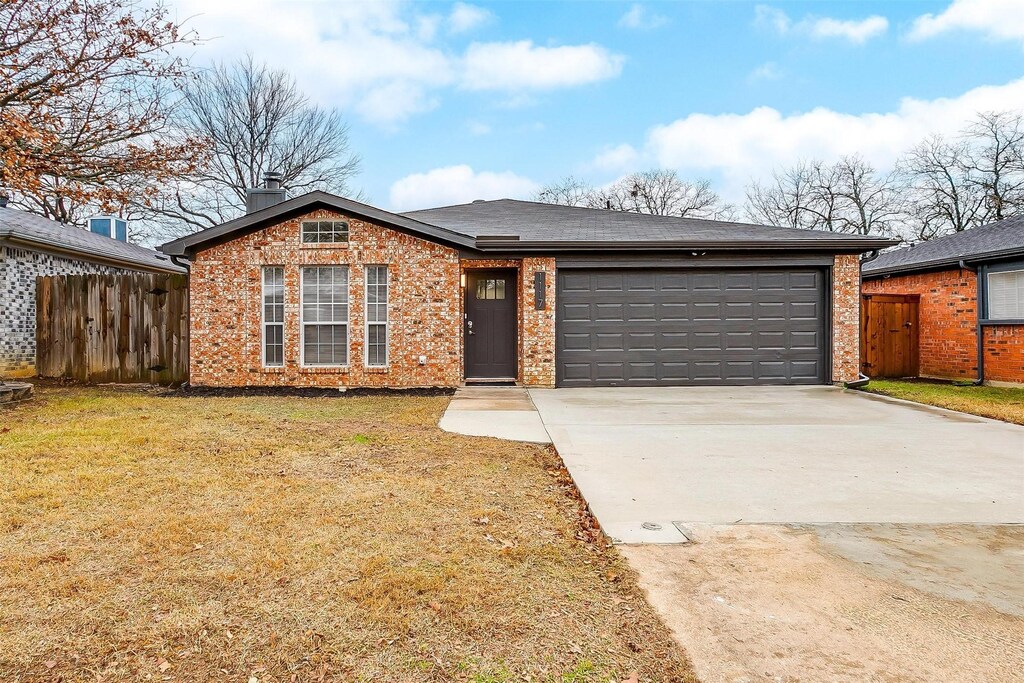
(966, 291)
(319, 290)
(32, 246)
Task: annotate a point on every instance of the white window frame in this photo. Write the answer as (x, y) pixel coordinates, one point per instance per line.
(264, 324)
(387, 314)
(303, 323)
(334, 231)
(1019, 274)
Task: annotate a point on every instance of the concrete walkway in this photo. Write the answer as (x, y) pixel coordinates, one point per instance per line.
(500, 412)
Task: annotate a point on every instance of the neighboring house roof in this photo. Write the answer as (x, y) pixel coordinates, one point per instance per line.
(35, 232)
(999, 240)
(508, 225)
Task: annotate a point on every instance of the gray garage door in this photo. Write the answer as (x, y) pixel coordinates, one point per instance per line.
(665, 327)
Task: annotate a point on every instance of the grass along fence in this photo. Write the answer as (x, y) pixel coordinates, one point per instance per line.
(113, 328)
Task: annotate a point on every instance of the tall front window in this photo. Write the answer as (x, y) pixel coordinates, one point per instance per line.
(376, 315)
(1006, 295)
(273, 316)
(325, 315)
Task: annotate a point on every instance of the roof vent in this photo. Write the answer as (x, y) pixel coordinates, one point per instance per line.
(478, 201)
(259, 198)
(109, 226)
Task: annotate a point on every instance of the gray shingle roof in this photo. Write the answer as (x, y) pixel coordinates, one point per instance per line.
(31, 230)
(537, 222)
(996, 240)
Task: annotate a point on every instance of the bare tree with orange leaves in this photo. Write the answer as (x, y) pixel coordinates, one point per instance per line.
(86, 89)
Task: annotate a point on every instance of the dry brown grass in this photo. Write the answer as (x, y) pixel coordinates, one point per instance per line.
(299, 539)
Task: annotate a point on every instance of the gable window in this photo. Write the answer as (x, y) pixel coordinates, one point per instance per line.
(324, 232)
(1006, 295)
(376, 316)
(325, 315)
(273, 316)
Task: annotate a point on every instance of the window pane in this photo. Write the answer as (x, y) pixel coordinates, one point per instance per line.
(499, 289)
(1006, 295)
(273, 315)
(325, 315)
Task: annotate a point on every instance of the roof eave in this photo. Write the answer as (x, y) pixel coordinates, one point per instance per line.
(944, 263)
(89, 254)
(858, 245)
(188, 245)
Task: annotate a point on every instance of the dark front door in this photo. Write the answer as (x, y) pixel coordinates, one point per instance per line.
(889, 337)
(490, 325)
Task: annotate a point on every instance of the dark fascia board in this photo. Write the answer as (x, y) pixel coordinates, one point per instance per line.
(88, 254)
(943, 263)
(854, 245)
(186, 246)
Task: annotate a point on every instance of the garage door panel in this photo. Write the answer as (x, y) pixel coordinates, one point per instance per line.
(650, 327)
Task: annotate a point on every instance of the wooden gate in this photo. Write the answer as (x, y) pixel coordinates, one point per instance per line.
(113, 328)
(889, 335)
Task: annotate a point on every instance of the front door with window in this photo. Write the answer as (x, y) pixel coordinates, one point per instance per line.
(490, 324)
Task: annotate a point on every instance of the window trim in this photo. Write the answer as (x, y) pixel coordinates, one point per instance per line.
(347, 323)
(366, 317)
(318, 243)
(1014, 320)
(263, 317)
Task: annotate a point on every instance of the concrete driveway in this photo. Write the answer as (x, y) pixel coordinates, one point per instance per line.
(649, 461)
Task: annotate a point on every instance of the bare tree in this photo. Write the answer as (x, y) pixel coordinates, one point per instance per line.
(569, 191)
(86, 89)
(943, 194)
(996, 160)
(255, 119)
(848, 196)
(659, 192)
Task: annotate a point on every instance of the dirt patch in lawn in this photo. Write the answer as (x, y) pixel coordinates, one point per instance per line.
(843, 603)
(283, 538)
(998, 403)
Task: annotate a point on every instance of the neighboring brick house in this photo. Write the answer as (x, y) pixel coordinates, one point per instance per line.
(323, 291)
(943, 278)
(32, 246)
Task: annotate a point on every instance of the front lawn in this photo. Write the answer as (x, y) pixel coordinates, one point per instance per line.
(153, 536)
(1000, 403)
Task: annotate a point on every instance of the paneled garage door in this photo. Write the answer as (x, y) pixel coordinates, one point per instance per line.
(702, 327)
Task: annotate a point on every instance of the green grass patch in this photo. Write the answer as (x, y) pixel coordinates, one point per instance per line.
(1000, 403)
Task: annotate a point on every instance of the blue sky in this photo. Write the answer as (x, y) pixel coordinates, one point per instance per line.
(450, 102)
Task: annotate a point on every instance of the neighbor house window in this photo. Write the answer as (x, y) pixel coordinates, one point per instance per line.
(376, 315)
(273, 316)
(1006, 295)
(325, 316)
(324, 232)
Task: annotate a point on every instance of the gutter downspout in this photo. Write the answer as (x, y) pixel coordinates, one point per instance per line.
(862, 379)
(187, 265)
(979, 333)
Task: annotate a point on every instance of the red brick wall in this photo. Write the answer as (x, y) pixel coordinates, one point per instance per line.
(1004, 353)
(947, 319)
(846, 318)
(424, 315)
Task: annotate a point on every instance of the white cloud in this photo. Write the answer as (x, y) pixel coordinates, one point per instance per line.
(456, 185)
(357, 55)
(478, 128)
(465, 17)
(521, 65)
(998, 19)
(619, 158)
(638, 16)
(857, 31)
(769, 71)
(734, 148)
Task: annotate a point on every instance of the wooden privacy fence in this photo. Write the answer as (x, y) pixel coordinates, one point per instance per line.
(113, 328)
(889, 335)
